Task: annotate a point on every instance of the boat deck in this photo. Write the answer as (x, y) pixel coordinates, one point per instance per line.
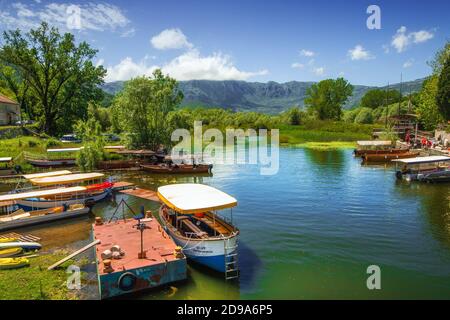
(142, 193)
(159, 249)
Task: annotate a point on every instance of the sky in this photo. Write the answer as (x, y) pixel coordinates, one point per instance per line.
(250, 40)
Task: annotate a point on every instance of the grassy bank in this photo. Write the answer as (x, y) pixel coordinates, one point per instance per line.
(36, 282)
(325, 134)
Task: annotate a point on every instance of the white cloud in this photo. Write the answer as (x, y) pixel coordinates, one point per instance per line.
(127, 69)
(307, 53)
(188, 66)
(191, 65)
(297, 65)
(408, 63)
(171, 39)
(402, 40)
(319, 71)
(421, 36)
(359, 53)
(93, 16)
(128, 33)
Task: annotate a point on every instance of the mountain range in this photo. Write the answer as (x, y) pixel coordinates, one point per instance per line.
(270, 97)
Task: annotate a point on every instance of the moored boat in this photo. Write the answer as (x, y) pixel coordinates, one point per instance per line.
(428, 169)
(20, 218)
(54, 161)
(177, 169)
(374, 147)
(387, 157)
(188, 216)
(6, 168)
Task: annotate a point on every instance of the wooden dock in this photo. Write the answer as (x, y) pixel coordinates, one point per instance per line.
(142, 193)
(122, 185)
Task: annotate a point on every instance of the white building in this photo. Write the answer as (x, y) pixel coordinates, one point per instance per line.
(9, 111)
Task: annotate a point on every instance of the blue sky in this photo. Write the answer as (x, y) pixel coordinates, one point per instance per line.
(248, 39)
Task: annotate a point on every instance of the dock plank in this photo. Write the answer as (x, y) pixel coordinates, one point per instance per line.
(142, 193)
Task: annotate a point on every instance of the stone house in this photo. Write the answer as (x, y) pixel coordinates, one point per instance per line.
(9, 111)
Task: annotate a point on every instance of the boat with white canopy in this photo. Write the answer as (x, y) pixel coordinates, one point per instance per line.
(17, 218)
(188, 215)
(91, 193)
(428, 169)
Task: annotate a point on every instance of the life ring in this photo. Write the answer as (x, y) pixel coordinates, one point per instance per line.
(127, 281)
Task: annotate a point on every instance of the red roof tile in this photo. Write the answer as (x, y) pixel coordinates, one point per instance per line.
(6, 100)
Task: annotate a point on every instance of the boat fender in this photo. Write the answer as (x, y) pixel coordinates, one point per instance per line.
(398, 174)
(116, 255)
(127, 281)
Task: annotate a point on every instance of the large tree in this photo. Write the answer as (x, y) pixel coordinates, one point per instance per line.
(443, 91)
(378, 97)
(427, 109)
(54, 70)
(327, 97)
(143, 108)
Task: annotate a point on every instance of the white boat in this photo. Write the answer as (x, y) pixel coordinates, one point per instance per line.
(20, 218)
(188, 216)
(428, 169)
(23, 245)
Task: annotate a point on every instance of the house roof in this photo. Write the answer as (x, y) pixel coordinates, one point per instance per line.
(7, 100)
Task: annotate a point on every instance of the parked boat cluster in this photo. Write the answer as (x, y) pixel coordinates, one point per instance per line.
(410, 166)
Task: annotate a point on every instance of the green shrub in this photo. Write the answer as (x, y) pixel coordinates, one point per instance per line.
(52, 142)
(32, 144)
(364, 116)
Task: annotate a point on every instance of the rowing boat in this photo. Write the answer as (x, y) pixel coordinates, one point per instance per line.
(387, 157)
(177, 169)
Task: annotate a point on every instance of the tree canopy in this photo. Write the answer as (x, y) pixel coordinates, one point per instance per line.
(54, 71)
(378, 97)
(327, 97)
(443, 90)
(143, 108)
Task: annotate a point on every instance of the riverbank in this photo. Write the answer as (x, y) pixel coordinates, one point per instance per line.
(35, 282)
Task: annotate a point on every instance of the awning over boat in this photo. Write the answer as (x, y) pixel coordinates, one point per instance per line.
(194, 198)
(419, 160)
(66, 179)
(38, 194)
(375, 143)
(64, 150)
(5, 159)
(47, 174)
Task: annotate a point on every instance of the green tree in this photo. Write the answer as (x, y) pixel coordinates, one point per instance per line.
(294, 116)
(378, 97)
(443, 91)
(90, 133)
(55, 70)
(143, 108)
(427, 109)
(327, 97)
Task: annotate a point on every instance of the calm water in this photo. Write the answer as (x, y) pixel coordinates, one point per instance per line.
(311, 231)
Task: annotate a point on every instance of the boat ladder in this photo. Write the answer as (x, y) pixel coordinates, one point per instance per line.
(231, 260)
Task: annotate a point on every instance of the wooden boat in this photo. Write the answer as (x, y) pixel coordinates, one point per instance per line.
(360, 153)
(187, 215)
(387, 157)
(117, 164)
(53, 163)
(372, 147)
(6, 167)
(427, 169)
(177, 169)
(13, 263)
(20, 218)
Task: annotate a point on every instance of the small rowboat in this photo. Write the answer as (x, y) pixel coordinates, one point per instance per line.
(177, 169)
(45, 163)
(387, 157)
(360, 153)
(24, 219)
(11, 252)
(13, 263)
